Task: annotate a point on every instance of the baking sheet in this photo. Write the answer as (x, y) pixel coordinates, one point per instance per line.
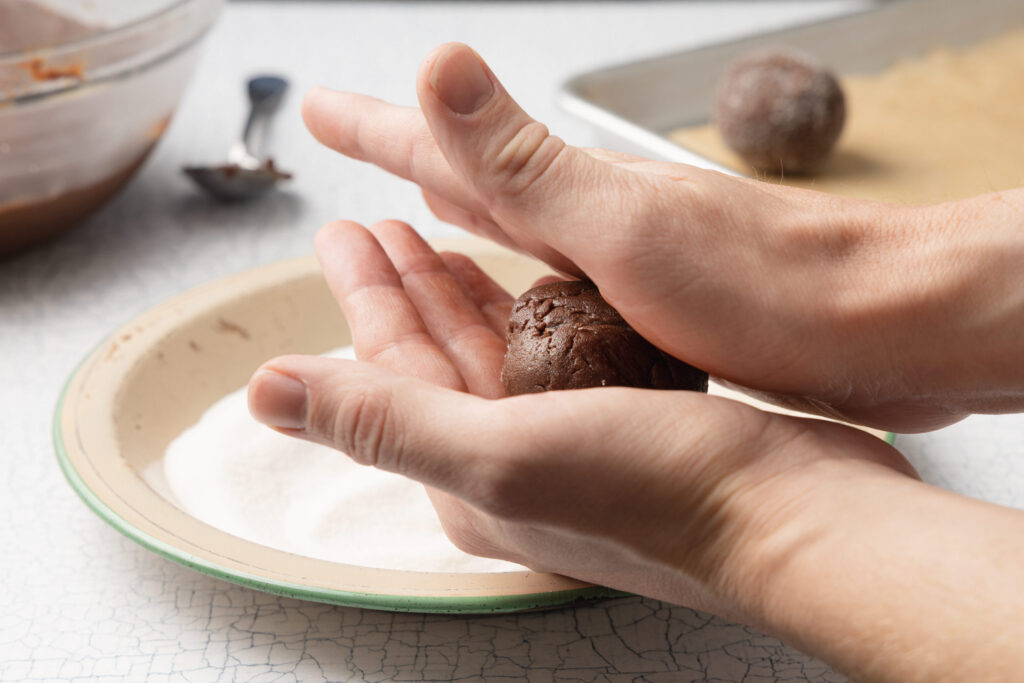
(634, 106)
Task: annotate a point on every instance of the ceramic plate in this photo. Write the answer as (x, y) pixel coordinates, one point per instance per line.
(156, 375)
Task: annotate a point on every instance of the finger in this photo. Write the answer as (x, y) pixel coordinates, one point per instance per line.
(694, 472)
(522, 458)
(452, 318)
(536, 187)
(389, 334)
(486, 452)
(398, 140)
(478, 224)
(491, 298)
(394, 138)
(375, 416)
(386, 327)
(474, 223)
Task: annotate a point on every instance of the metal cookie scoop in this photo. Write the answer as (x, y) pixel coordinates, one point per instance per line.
(247, 175)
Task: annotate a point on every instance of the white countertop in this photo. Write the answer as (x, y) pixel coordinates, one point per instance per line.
(78, 601)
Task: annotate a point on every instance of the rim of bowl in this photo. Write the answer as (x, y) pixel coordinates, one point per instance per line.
(207, 12)
(21, 53)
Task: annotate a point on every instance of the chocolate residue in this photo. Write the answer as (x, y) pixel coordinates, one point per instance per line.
(27, 222)
(35, 220)
(40, 70)
(234, 328)
(269, 166)
(232, 170)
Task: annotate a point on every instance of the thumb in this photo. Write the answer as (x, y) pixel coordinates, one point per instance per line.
(516, 458)
(529, 179)
(454, 442)
(378, 418)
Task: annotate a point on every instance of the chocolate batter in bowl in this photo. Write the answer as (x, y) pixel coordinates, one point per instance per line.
(87, 87)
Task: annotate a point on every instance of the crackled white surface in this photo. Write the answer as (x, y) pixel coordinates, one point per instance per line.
(77, 600)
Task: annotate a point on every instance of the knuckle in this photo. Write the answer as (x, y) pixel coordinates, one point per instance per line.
(362, 140)
(362, 424)
(526, 157)
(418, 154)
(468, 338)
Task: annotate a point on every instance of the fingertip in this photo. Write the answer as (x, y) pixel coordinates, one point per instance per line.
(277, 399)
(313, 96)
(456, 77)
(427, 65)
(392, 227)
(314, 104)
(333, 117)
(330, 231)
(330, 236)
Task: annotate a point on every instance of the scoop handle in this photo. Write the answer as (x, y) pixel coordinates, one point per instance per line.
(265, 96)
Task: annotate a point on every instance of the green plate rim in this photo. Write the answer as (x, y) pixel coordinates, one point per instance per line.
(375, 601)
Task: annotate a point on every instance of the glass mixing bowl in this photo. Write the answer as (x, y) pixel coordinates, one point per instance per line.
(87, 87)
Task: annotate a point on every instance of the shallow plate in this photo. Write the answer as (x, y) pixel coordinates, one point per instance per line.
(156, 376)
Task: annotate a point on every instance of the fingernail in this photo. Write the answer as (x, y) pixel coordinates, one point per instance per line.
(460, 81)
(279, 400)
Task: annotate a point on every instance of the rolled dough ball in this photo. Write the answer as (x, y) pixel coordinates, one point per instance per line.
(564, 335)
(780, 110)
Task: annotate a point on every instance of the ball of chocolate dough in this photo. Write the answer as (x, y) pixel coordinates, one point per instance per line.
(780, 110)
(564, 335)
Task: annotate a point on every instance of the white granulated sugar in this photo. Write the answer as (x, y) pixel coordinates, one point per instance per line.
(241, 477)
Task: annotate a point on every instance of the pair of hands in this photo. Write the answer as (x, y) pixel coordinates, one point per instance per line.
(566, 482)
(870, 312)
(841, 307)
(665, 493)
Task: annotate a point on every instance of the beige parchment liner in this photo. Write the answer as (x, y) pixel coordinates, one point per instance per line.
(155, 376)
(947, 125)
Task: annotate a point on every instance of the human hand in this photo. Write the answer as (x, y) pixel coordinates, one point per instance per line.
(809, 530)
(676, 495)
(903, 318)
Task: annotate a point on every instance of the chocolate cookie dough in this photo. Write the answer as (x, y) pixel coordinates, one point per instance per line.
(780, 111)
(564, 335)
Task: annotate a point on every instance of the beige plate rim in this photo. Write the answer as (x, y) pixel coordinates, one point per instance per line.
(132, 386)
(91, 458)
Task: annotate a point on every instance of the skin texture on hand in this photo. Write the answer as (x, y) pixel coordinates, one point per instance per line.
(676, 492)
(880, 314)
(810, 530)
(900, 317)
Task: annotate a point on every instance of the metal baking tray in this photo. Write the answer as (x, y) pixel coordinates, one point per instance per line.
(634, 106)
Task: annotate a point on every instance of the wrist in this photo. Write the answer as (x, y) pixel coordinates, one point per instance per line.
(929, 307)
(812, 509)
(797, 497)
(971, 301)
(890, 579)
